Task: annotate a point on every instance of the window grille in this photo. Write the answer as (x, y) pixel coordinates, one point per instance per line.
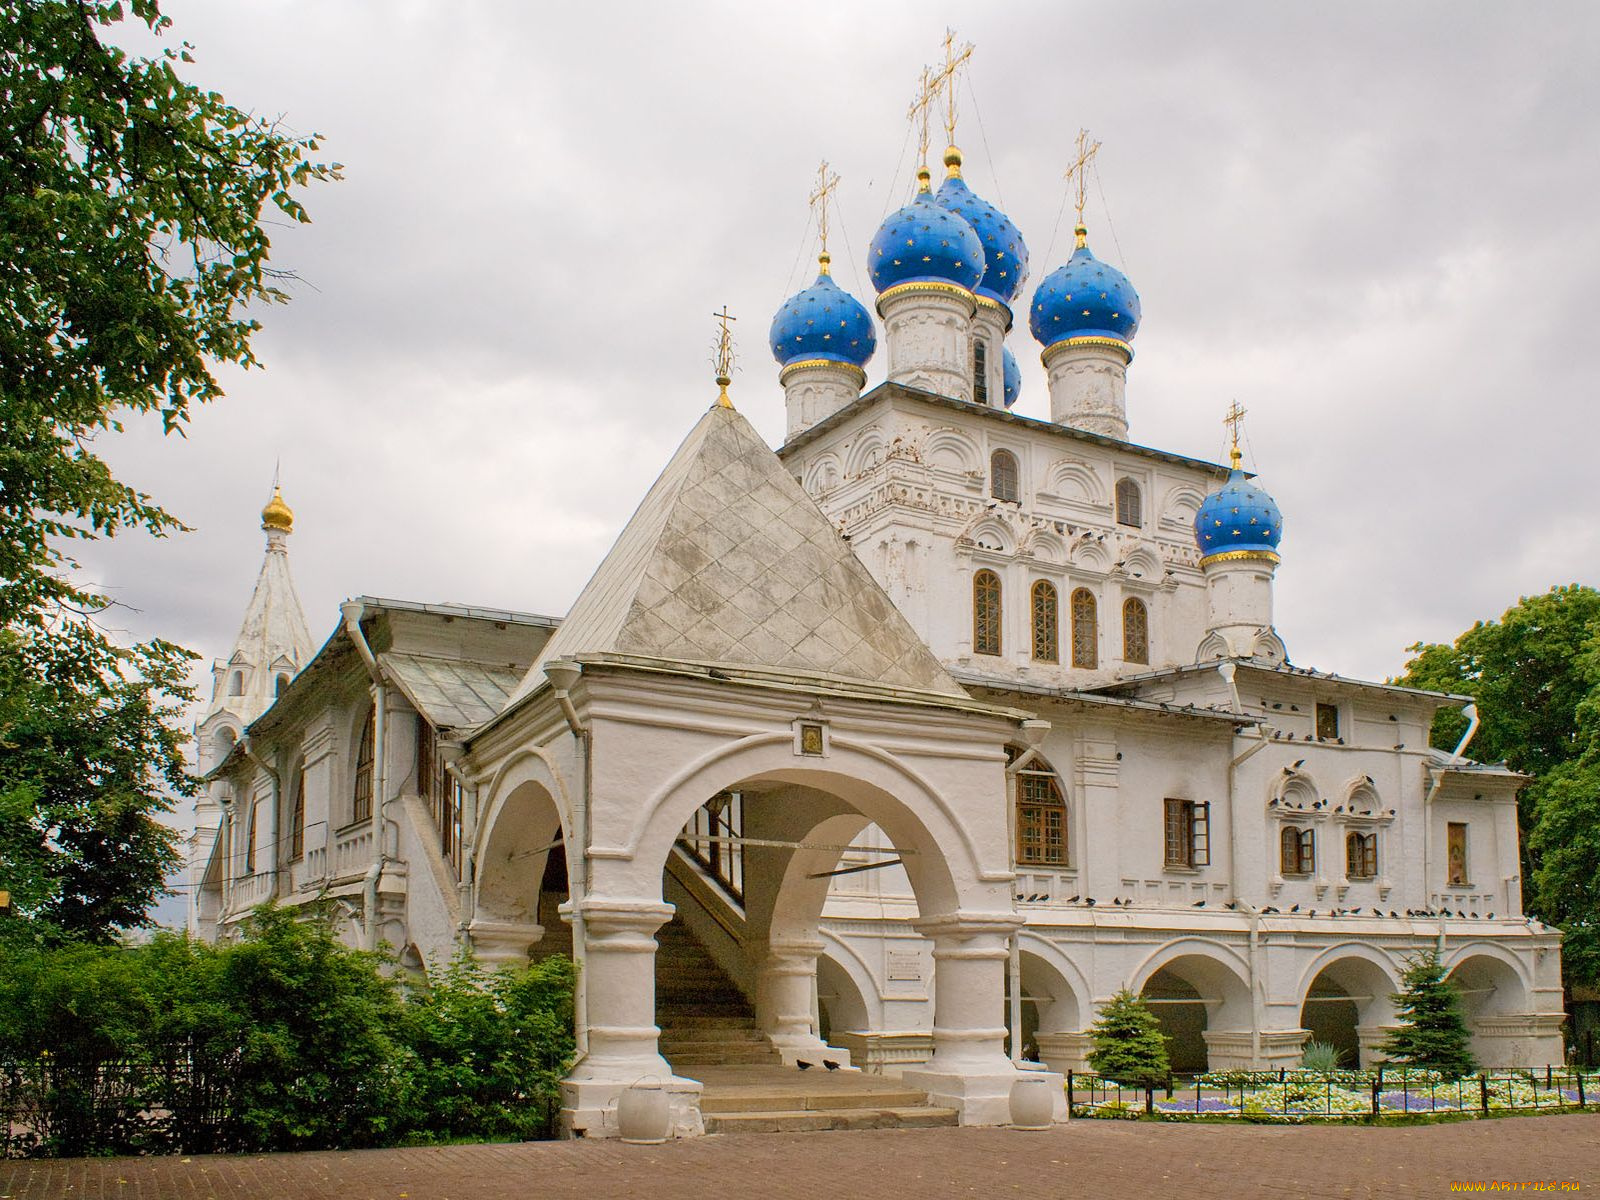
(1188, 833)
(704, 839)
(1046, 622)
(1041, 819)
(1361, 855)
(361, 793)
(439, 789)
(1297, 851)
(250, 842)
(980, 371)
(986, 613)
(1129, 503)
(1005, 477)
(1085, 630)
(1135, 632)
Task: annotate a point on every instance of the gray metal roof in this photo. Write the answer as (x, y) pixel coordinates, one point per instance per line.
(1251, 664)
(452, 693)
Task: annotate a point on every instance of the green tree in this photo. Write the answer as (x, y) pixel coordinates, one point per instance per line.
(1535, 675)
(91, 753)
(1432, 1033)
(134, 216)
(131, 212)
(1129, 1046)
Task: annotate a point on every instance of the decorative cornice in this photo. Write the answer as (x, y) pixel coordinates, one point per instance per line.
(926, 286)
(811, 364)
(1241, 556)
(1054, 349)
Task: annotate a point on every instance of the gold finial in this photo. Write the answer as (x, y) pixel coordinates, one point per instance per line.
(724, 357)
(277, 515)
(1078, 174)
(923, 178)
(826, 184)
(1233, 419)
(954, 59)
(927, 93)
(952, 163)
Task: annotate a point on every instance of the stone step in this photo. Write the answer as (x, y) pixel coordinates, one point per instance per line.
(694, 1039)
(822, 1100)
(690, 1061)
(706, 1020)
(817, 1120)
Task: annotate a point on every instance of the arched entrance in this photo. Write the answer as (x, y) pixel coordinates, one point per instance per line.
(521, 879)
(1347, 1005)
(1494, 1002)
(1203, 1006)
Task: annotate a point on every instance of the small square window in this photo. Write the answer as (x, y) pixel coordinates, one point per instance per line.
(1327, 722)
(811, 739)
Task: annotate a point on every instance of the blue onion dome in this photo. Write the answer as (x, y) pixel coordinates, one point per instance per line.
(823, 322)
(1238, 521)
(1084, 299)
(1005, 256)
(1013, 375)
(925, 243)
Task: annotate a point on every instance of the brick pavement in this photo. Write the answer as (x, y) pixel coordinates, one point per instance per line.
(1191, 1162)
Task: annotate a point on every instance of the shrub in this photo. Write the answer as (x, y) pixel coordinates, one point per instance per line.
(1319, 1057)
(1432, 1033)
(1128, 1043)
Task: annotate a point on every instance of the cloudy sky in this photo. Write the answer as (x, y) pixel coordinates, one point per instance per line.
(1372, 224)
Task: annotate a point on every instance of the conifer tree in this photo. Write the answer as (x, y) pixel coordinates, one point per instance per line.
(1432, 1033)
(1129, 1046)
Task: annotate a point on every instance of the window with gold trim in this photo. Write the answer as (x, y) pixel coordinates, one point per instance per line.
(1361, 855)
(297, 818)
(361, 792)
(1085, 629)
(986, 613)
(1297, 851)
(1046, 622)
(1135, 631)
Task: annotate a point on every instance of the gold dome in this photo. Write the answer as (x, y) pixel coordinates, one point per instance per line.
(277, 515)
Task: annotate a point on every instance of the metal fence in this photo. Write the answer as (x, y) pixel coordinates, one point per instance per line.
(1292, 1095)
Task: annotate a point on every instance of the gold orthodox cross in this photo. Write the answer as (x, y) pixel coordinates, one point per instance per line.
(1078, 175)
(927, 93)
(826, 183)
(724, 356)
(1234, 419)
(954, 59)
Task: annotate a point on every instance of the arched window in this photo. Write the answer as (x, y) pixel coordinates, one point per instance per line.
(980, 372)
(1041, 816)
(1129, 506)
(282, 683)
(986, 613)
(1135, 631)
(361, 805)
(1005, 477)
(1046, 622)
(1296, 851)
(236, 684)
(1361, 855)
(297, 818)
(1085, 630)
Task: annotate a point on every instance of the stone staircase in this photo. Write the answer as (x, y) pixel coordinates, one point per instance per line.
(756, 1099)
(705, 1019)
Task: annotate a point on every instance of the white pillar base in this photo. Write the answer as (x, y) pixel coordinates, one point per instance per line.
(980, 1099)
(589, 1106)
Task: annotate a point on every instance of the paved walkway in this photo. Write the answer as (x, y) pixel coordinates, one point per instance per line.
(1085, 1158)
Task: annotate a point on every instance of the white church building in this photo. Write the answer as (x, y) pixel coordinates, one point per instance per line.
(901, 747)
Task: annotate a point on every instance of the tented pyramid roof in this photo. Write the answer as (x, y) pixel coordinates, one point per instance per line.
(727, 560)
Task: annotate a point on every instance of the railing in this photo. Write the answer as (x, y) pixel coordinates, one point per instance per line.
(352, 850)
(1339, 1095)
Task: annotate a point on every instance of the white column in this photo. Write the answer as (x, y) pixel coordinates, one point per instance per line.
(623, 1036)
(816, 388)
(785, 991)
(928, 331)
(1088, 380)
(1239, 600)
(969, 1070)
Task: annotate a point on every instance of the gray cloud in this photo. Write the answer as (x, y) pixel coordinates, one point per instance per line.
(1372, 224)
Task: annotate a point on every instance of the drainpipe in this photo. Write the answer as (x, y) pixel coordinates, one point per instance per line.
(1472, 728)
(380, 772)
(1254, 914)
(1033, 732)
(563, 676)
(272, 810)
(1238, 760)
